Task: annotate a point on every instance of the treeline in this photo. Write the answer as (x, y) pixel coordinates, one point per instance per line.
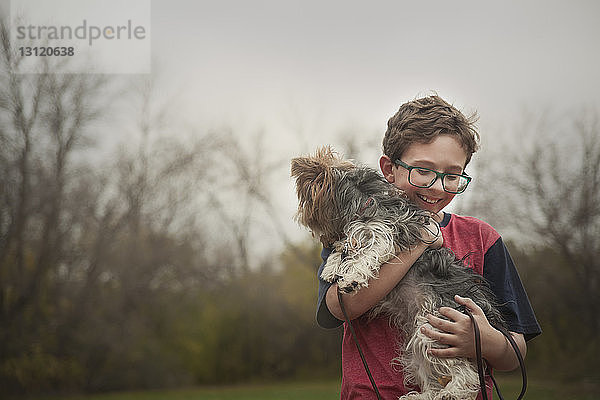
(139, 270)
(136, 269)
(568, 348)
(540, 186)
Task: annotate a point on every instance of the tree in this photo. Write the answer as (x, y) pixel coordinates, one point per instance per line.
(89, 250)
(118, 273)
(543, 191)
(44, 118)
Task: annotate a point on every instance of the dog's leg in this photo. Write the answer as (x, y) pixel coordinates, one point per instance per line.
(416, 396)
(464, 381)
(336, 270)
(366, 247)
(417, 364)
(439, 378)
(332, 269)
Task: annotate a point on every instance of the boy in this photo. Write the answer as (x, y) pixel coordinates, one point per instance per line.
(426, 148)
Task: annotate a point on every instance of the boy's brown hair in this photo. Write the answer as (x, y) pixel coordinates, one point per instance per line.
(424, 119)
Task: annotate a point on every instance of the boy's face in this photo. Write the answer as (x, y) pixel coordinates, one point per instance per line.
(443, 154)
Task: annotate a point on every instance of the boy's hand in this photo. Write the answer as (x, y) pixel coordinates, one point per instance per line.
(431, 234)
(457, 333)
(457, 330)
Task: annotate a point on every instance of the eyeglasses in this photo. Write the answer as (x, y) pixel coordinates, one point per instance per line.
(425, 177)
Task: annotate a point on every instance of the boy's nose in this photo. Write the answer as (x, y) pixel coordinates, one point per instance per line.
(437, 185)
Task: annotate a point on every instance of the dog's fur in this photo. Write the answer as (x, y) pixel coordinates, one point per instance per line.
(366, 221)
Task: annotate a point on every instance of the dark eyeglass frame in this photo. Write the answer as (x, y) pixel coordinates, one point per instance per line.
(440, 175)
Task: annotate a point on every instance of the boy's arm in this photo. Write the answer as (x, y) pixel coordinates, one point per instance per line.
(390, 273)
(500, 354)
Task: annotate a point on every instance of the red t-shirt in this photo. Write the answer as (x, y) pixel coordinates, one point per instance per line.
(468, 238)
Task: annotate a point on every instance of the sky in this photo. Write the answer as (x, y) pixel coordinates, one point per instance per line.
(306, 71)
(314, 68)
(348, 62)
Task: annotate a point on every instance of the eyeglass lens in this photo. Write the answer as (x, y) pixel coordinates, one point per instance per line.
(426, 178)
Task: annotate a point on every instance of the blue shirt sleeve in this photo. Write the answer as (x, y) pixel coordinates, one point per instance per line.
(324, 317)
(505, 282)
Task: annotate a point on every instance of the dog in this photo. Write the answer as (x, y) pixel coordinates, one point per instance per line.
(366, 220)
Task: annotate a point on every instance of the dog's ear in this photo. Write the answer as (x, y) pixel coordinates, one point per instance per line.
(315, 181)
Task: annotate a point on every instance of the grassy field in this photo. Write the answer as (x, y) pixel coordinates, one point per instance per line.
(509, 385)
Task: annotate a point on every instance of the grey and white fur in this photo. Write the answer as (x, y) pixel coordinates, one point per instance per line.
(366, 221)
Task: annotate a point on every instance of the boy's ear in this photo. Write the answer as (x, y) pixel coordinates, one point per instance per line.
(387, 170)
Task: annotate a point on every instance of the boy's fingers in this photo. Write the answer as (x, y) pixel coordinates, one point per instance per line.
(439, 323)
(448, 352)
(453, 314)
(432, 235)
(439, 337)
(470, 304)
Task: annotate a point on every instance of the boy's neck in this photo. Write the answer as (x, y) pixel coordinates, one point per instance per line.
(439, 217)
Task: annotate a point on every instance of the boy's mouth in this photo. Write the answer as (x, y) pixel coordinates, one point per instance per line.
(427, 200)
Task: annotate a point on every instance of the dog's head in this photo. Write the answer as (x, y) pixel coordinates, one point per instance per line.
(317, 177)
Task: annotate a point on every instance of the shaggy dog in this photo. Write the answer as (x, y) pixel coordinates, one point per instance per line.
(366, 221)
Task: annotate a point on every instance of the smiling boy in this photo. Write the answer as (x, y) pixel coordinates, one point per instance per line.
(427, 147)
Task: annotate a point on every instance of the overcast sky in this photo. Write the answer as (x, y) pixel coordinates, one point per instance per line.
(330, 64)
(354, 62)
(305, 70)
(321, 66)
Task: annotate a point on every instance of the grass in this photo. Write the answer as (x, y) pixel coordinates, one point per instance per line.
(271, 391)
(510, 386)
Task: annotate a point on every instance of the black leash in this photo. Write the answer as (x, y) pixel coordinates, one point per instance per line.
(521, 364)
(362, 356)
(480, 369)
(480, 359)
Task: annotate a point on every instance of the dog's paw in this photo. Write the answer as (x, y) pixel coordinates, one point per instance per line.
(348, 286)
(415, 396)
(331, 271)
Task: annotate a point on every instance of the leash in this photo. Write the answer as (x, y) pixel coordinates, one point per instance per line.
(521, 365)
(480, 369)
(362, 356)
(480, 372)
(354, 337)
